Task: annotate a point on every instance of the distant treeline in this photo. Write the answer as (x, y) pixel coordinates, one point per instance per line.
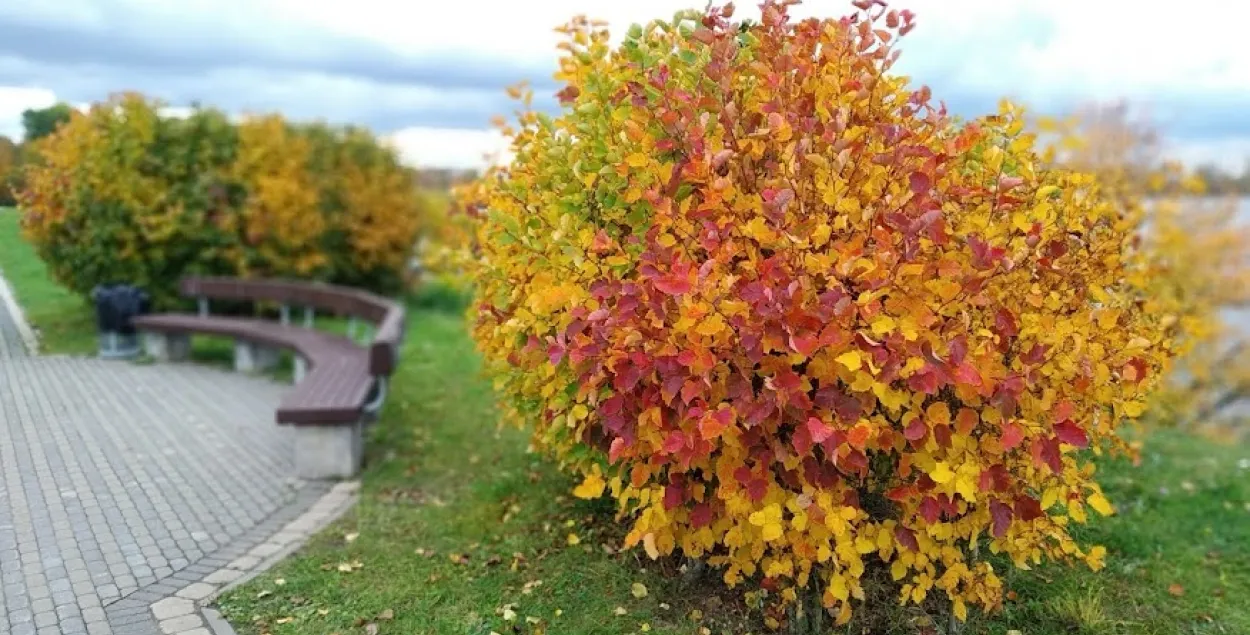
(1221, 181)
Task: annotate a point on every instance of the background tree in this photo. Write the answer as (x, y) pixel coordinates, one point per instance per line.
(41, 122)
(10, 161)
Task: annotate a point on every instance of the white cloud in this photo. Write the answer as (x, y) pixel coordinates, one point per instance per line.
(449, 147)
(13, 100)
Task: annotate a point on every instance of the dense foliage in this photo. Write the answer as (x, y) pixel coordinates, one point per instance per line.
(122, 193)
(797, 320)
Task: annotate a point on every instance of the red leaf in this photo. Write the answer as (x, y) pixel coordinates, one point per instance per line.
(673, 284)
(966, 374)
(818, 430)
(674, 442)
(1028, 508)
(919, 182)
(924, 380)
(803, 344)
(673, 496)
(942, 434)
(930, 510)
(757, 489)
(614, 452)
(1064, 410)
(905, 537)
(1001, 514)
(1070, 433)
(1006, 323)
(916, 430)
(701, 515)
(1012, 436)
(1046, 452)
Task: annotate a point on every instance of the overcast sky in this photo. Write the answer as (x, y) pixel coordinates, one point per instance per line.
(431, 73)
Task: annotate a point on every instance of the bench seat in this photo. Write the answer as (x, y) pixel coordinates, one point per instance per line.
(338, 383)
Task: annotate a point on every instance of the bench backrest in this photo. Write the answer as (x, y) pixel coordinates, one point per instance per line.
(386, 315)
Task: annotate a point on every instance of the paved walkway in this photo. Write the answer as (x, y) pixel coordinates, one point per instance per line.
(122, 483)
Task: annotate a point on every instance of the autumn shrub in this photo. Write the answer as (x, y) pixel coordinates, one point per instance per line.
(122, 193)
(801, 323)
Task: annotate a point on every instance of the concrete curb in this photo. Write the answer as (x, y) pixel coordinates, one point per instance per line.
(187, 611)
(18, 316)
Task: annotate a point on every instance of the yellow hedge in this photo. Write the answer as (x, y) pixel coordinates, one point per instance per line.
(124, 194)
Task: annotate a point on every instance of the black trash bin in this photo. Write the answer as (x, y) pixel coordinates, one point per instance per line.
(115, 305)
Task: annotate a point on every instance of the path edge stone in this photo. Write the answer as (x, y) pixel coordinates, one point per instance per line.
(9, 300)
(276, 547)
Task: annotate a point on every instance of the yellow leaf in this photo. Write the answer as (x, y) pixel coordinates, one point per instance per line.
(961, 610)
(638, 590)
(1101, 504)
(636, 160)
(711, 326)
(850, 359)
(648, 543)
(882, 324)
(574, 540)
(938, 413)
(592, 487)
(772, 531)
(941, 473)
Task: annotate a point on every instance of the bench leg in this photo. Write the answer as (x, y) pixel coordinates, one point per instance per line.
(167, 347)
(250, 357)
(328, 452)
(244, 356)
(301, 369)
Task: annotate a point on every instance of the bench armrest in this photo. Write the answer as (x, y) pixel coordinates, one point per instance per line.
(384, 351)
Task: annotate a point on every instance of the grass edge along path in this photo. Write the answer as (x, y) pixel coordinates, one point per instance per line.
(63, 322)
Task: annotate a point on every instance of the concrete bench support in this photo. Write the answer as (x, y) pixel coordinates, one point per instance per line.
(250, 357)
(167, 347)
(328, 452)
(301, 369)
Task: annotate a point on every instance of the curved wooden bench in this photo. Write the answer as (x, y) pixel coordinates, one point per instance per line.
(340, 383)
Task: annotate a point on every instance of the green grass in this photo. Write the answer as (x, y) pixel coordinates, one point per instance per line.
(457, 521)
(62, 320)
(448, 500)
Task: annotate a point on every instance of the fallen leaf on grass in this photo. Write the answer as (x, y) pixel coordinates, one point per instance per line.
(280, 581)
(323, 612)
(573, 539)
(351, 537)
(371, 629)
(638, 590)
(265, 593)
(387, 615)
(620, 610)
(1176, 590)
(284, 620)
(458, 558)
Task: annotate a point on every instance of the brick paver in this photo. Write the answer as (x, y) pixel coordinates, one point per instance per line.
(122, 484)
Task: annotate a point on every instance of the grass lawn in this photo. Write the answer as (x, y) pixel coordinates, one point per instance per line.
(459, 528)
(63, 321)
(460, 531)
